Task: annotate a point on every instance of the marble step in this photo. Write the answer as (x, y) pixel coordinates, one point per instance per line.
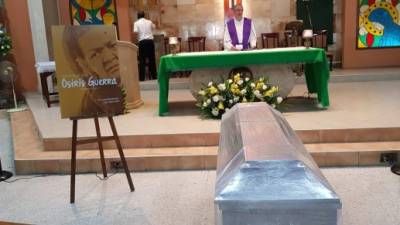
(191, 158)
(212, 139)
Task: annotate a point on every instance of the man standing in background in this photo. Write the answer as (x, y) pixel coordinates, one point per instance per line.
(143, 28)
(239, 32)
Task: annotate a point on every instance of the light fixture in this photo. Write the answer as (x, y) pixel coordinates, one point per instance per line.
(174, 45)
(307, 36)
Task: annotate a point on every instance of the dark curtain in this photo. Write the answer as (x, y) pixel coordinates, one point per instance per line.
(321, 13)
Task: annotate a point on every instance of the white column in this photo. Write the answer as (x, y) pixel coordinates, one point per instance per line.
(39, 38)
(38, 29)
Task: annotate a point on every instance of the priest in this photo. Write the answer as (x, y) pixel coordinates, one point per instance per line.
(239, 32)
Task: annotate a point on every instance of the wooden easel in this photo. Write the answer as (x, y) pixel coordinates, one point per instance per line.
(99, 139)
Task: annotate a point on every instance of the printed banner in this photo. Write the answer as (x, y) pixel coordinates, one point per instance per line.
(87, 68)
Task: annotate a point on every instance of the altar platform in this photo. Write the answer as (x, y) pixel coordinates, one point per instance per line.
(361, 123)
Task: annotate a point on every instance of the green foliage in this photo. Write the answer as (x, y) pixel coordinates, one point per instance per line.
(5, 43)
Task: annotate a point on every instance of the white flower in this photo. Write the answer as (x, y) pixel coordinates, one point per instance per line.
(215, 98)
(247, 79)
(205, 104)
(230, 101)
(236, 99)
(258, 94)
(240, 82)
(202, 93)
(208, 101)
(244, 91)
(253, 85)
(273, 106)
(230, 81)
(264, 87)
(210, 83)
(215, 111)
(222, 87)
(279, 100)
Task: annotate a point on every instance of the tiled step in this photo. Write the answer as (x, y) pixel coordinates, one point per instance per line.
(194, 158)
(212, 139)
(351, 154)
(348, 147)
(25, 134)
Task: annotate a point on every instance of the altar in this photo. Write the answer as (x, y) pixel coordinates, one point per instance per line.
(316, 67)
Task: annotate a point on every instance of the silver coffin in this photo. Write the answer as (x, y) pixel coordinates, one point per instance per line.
(266, 176)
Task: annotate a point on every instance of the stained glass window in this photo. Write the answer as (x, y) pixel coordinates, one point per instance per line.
(378, 24)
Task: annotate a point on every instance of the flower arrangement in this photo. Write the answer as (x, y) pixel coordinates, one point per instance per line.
(216, 99)
(5, 43)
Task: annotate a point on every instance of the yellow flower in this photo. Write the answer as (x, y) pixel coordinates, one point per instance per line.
(259, 85)
(213, 90)
(269, 93)
(235, 91)
(236, 78)
(274, 89)
(202, 93)
(221, 105)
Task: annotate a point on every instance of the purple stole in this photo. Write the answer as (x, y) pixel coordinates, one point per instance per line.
(246, 32)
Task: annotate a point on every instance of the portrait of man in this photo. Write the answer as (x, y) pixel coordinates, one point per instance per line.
(88, 74)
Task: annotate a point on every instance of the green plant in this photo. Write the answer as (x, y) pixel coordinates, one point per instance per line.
(5, 43)
(216, 99)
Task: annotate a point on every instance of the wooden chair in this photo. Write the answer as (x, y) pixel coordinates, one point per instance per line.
(270, 40)
(197, 44)
(320, 40)
(296, 25)
(167, 47)
(292, 39)
(293, 32)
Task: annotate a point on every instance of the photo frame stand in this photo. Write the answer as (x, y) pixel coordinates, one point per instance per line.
(99, 139)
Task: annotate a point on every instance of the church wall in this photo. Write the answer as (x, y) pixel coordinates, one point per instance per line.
(206, 18)
(23, 54)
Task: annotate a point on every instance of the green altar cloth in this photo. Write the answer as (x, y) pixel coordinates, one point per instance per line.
(316, 67)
